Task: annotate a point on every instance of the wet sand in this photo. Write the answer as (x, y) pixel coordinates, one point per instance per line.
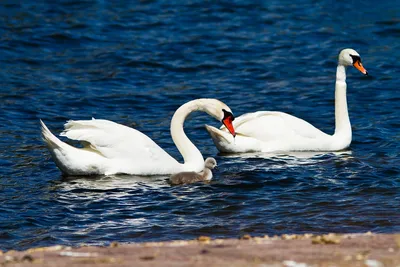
(372, 250)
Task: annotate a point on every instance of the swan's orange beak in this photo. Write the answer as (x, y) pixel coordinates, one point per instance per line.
(360, 67)
(227, 121)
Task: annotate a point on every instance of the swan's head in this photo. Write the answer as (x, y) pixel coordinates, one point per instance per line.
(210, 163)
(221, 112)
(348, 57)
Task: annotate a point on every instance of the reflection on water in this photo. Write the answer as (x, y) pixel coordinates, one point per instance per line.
(288, 154)
(278, 160)
(111, 181)
(97, 188)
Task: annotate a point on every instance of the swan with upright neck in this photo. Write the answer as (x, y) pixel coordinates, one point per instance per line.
(112, 148)
(271, 131)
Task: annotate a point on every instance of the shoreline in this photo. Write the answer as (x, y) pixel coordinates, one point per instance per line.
(369, 249)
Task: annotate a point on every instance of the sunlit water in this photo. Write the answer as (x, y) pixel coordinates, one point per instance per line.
(137, 63)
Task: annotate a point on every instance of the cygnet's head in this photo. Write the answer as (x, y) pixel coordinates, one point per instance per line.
(210, 163)
(348, 57)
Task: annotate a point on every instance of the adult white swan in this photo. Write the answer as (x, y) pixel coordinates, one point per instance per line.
(269, 131)
(111, 148)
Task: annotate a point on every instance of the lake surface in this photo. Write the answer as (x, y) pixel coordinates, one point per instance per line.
(136, 63)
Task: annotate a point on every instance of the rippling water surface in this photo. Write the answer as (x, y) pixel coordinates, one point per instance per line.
(136, 63)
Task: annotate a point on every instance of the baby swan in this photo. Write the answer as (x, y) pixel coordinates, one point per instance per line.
(192, 177)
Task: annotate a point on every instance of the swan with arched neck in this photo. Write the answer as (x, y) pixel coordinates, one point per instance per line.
(112, 148)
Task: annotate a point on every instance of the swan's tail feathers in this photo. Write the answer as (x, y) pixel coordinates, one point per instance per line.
(69, 159)
(219, 135)
(223, 140)
(51, 140)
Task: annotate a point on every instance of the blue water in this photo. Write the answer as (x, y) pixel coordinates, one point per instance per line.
(136, 63)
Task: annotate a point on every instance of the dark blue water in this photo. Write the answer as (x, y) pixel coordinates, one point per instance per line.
(136, 63)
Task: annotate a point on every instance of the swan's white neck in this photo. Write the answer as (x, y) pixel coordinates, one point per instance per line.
(342, 121)
(192, 157)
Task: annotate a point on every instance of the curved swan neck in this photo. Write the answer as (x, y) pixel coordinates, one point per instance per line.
(342, 121)
(191, 155)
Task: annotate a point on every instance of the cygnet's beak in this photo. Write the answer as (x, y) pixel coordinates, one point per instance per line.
(360, 67)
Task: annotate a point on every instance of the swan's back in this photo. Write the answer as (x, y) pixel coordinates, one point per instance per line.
(109, 148)
(281, 124)
(113, 140)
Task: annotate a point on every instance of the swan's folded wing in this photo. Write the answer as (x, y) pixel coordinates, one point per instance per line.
(268, 125)
(113, 140)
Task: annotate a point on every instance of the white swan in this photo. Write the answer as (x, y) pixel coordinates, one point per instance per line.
(111, 148)
(270, 131)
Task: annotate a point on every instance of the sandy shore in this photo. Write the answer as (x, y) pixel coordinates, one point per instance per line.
(372, 250)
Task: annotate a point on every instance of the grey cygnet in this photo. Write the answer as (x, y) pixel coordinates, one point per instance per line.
(192, 177)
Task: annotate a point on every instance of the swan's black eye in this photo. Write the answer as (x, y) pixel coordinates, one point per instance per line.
(355, 58)
(228, 114)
